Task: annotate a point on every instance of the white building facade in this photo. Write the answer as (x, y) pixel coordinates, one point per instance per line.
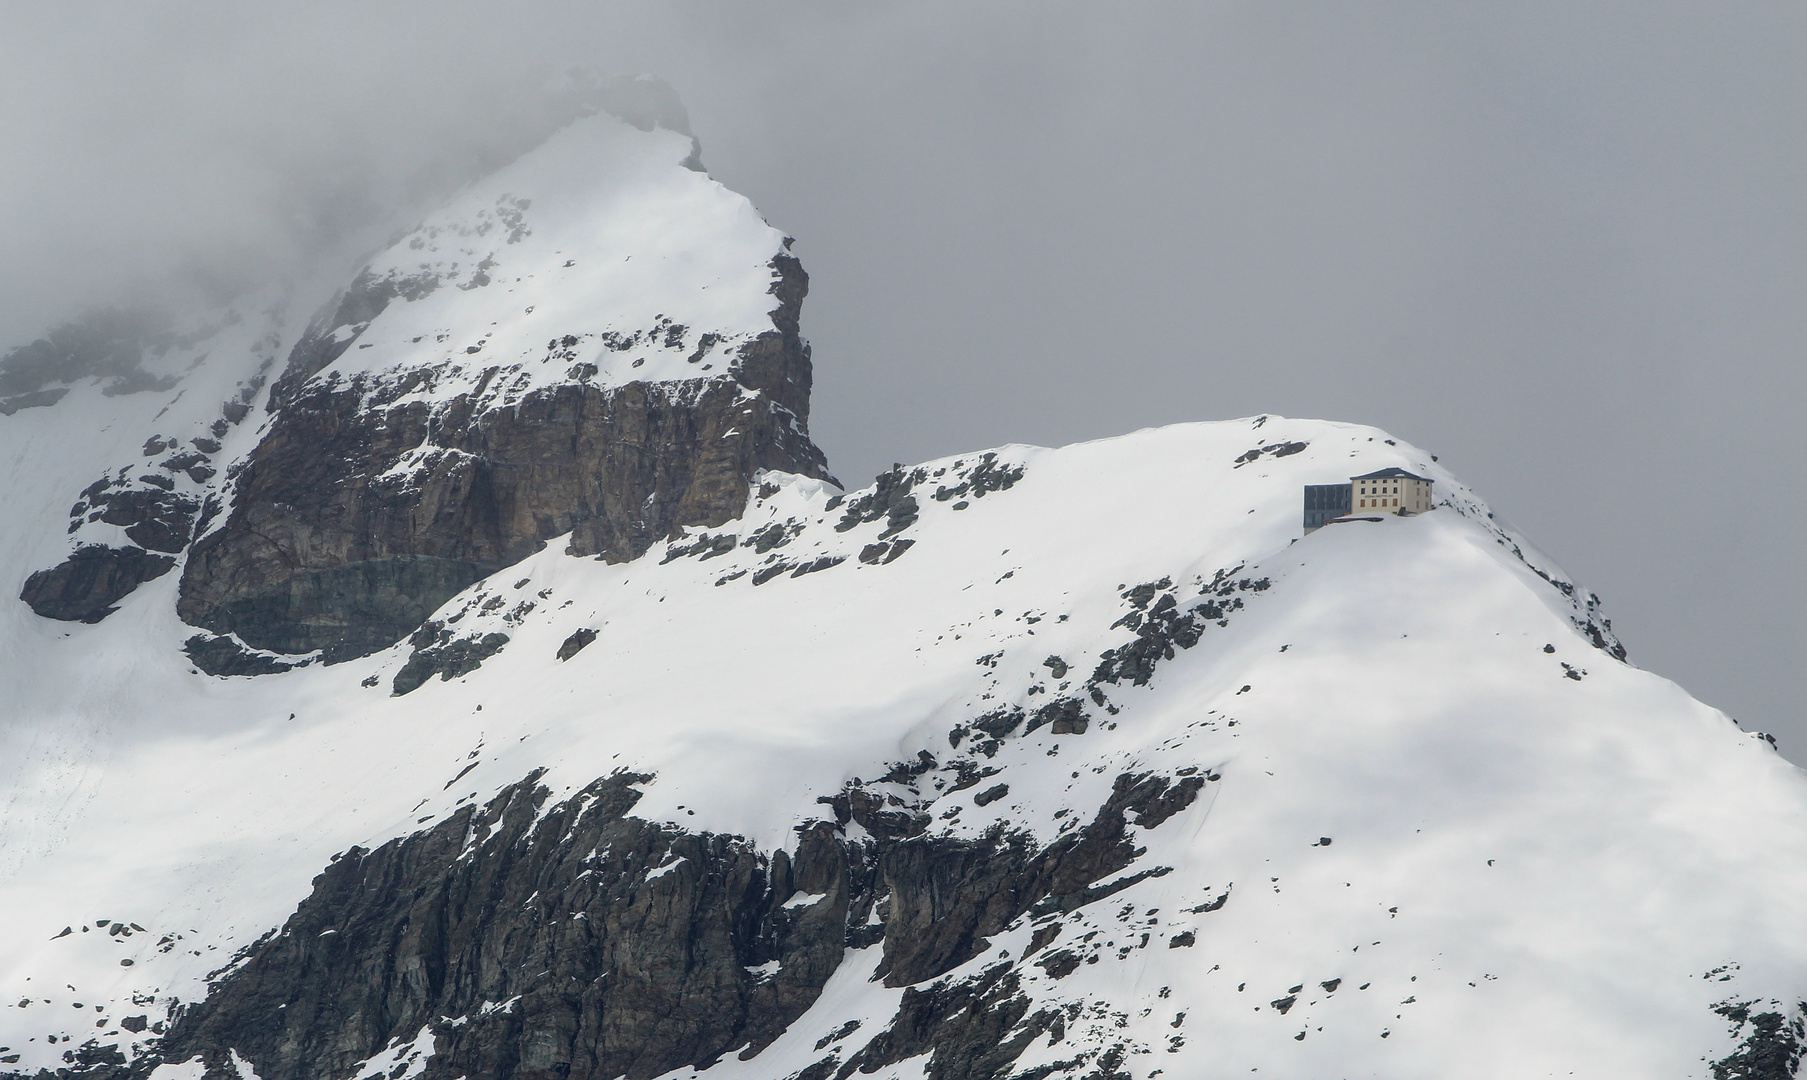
(1389, 491)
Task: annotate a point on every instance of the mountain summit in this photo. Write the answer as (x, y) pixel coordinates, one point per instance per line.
(484, 677)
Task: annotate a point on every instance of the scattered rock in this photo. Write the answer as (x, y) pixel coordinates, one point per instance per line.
(575, 643)
(436, 652)
(1278, 450)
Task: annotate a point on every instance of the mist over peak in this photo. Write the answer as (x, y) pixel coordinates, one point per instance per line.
(311, 237)
(177, 159)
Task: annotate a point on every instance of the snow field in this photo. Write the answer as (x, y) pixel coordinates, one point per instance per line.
(1413, 717)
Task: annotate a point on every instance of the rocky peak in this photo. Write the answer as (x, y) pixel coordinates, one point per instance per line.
(597, 340)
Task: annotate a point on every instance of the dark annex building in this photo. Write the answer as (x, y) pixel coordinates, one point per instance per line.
(1325, 501)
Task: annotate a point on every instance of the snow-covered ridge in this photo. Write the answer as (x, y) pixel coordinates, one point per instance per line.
(597, 257)
(1383, 685)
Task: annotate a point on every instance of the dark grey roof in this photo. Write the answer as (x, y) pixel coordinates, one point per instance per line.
(1392, 474)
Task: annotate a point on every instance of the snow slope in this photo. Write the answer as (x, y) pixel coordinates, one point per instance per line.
(601, 235)
(1510, 850)
(1440, 831)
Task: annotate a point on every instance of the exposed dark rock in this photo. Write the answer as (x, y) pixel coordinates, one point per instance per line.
(890, 498)
(1061, 963)
(826, 562)
(622, 947)
(1043, 936)
(906, 772)
(767, 573)
(437, 652)
(576, 642)
(103, 344)
(192, 462)
(974, 1028)
(337, 325)
(576, 941)
(999, 722)
(223, 656)
(980, 479)
(820, 1070)
(86, 585)
(1587, 616)
(322, 550)
(838, 1034)
(991, 794)
(898, 547)
(1771, 1042)
(885, 818)
(154, 517)
(1279, 450)
(775, 535)
(1063, 716)
(949, 896)
(1161, 626)
(705, 547)
(37, 399)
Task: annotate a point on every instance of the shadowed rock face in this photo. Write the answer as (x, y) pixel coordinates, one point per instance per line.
(85, 586)
(336, 543)
(667, 948)
(574, 940)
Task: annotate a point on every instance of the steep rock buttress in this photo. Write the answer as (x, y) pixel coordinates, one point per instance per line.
(598, 341)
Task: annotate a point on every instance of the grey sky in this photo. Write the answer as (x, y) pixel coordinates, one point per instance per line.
(1563, 246)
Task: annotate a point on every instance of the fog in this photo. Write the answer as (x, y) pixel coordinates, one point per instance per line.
(1562, 246)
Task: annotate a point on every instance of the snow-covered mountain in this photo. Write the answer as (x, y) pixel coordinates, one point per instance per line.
(484, 677)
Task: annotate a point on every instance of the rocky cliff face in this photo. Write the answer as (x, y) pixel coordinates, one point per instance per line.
(519, 940)
(579, 942)
(502, 374)
(371, 502)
